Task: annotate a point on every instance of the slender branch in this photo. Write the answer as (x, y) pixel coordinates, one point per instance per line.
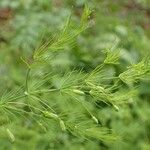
(45, 91)
(27, 78)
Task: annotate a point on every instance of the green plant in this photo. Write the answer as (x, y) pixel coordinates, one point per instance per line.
(55, 103)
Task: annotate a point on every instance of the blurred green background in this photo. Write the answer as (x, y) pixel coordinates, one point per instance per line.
(117, 24)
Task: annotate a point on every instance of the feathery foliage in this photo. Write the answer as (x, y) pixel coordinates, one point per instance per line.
(90, 102)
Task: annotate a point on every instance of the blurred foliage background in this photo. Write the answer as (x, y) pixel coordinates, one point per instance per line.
(117, 24)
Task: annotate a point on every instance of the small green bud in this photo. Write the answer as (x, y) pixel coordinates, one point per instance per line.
(95, 119)
(78, 92)
(95, 87)
(91, 92)
(26, 93)
(42, 126)
(90, 84)
(100, 88)
(116, 107)
(48, 114)
(11, 136)
(62, 125)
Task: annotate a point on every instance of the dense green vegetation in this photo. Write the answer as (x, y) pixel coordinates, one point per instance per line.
(74, 74)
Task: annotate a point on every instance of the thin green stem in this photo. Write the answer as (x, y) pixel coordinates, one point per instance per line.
(45, 91)
(27, 78)
(22, 96)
